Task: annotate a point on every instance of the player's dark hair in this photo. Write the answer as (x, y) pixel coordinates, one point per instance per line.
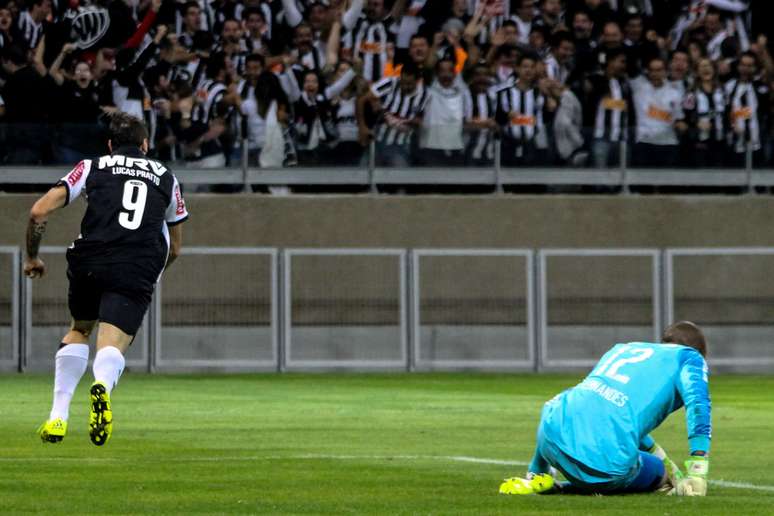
(687, 334)
(126, 130)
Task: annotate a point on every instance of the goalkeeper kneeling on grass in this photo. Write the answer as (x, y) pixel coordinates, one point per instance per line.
(596, 433)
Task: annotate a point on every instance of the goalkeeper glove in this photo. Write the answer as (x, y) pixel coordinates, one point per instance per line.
(695, 481)
(674, 475)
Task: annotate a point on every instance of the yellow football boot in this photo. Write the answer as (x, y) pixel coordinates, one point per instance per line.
(100, 416)
(522, 486)
(53, 430)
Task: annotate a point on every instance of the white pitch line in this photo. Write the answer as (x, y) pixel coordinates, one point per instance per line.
(741, 485)
(243, 458)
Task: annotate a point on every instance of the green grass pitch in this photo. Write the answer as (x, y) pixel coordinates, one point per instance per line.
(343, 444)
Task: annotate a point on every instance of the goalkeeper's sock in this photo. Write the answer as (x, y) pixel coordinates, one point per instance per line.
(70, 364)
(108, 366)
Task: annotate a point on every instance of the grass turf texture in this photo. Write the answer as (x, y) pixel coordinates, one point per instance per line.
(266, 444)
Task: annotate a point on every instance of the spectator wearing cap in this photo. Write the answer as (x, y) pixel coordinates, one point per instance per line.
(660, 117)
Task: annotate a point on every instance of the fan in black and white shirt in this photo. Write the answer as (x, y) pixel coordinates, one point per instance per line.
(31, 21)
(558, 63)
(308, 52)
(233, 45)
(189, 20)
(368, 39)
(748, 109)
(522, 110)
(401, 102)
(608, 108)
(705, 109)
(480, 120)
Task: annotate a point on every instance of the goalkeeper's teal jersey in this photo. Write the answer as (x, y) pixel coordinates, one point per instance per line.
(604, 421)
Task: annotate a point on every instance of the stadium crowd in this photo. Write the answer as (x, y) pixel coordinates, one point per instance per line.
(431, 82)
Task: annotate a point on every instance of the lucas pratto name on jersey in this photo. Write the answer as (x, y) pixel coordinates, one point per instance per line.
(144, 168)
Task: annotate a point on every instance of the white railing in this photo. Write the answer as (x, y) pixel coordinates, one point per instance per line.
(268, 309)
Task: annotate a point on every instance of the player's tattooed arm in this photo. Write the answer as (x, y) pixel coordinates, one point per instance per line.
(36, 228)
(35, 232)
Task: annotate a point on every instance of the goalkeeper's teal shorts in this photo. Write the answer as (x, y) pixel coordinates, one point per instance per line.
(645, 476)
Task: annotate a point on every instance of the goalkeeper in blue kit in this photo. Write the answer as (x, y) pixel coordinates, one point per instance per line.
(596, 433)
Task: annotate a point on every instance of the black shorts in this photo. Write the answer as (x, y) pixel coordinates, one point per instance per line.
(118, 294)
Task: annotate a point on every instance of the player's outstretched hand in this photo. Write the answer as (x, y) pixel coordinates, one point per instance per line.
(34, 268)
(695, 481)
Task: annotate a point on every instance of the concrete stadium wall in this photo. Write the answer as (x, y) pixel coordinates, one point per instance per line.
(446, 221)
(458, 222)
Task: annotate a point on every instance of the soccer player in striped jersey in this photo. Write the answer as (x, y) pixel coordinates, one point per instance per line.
(521, 112)
(598, 432)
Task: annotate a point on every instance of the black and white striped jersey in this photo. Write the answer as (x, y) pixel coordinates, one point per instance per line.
(30, 30)
(210, 93)
(554, 70)
(368, 41)
(707, 114)
(608, 108)
(479, 143)
(398, 107)
(311, 60)
(520, 114)
(747, 108)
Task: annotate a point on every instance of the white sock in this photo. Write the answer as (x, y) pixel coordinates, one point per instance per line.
(70, 364)
(108, 366)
